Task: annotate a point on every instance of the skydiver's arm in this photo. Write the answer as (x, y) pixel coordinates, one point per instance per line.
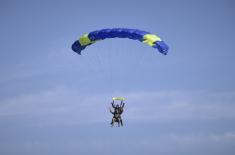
(111, 111)
(113, 104)
(121, 110)
(122, 104)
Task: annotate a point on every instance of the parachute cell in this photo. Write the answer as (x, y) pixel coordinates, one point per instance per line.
(143, 36)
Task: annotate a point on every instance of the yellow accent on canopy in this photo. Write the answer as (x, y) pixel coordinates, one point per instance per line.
(150, 39)
(84, 40)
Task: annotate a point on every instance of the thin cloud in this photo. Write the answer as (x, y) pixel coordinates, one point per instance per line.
(67, 104)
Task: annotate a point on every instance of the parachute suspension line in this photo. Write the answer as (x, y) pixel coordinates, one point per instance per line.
(91, 63)
(118, 69)
(97, 65)
(123, 67)
(130, 55)
(139, 63)
(143, 36)
(102, 69)
(133, 55)
(111, 70)
(94, 64)
(101, 66)
(99, 57)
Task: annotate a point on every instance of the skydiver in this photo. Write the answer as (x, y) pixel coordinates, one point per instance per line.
(115, 113)
(118, 110)
(116, 117)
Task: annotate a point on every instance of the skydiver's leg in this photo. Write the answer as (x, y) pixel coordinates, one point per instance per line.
(112, 122)
(118, 122)
(121, 121)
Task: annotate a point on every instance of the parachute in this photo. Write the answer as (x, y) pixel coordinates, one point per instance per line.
(134, 34)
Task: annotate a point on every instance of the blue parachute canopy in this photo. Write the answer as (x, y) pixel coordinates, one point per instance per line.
(143, 36)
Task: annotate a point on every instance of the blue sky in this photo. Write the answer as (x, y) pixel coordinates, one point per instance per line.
(53, 101)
